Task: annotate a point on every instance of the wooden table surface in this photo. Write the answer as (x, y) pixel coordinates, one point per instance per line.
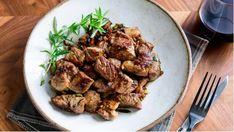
(17, 18)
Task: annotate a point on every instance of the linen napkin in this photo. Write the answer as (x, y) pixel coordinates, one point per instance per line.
(24, 114)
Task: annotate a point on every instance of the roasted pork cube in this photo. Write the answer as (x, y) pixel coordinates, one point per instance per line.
(92, 101)
(143, 50)
(129, 89)
(107, 26)
(108, 95)
(132, 31)
(107, 109)
(89, 70)
(103, 45)
(76, 56)
(139, 66)
(102, 86)
(141, 88)
(133, 87)
(122, 83)
(129, 100)
(135, 68)
(63, 74)
(118, 27)
(73, 103)
(155, 71)
(106, 69)
(143, 68)
(122, 47)
(143, 47)
(67, 67)
(83, 40)
(116, 62)
(141, 85)
(60, 81)
(91, 53)
(81, 83)
(149, 45)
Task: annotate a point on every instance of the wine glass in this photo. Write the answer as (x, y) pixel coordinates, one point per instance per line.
(217, 17)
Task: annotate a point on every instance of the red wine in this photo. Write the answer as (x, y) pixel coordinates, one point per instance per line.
(227, 1)
(217, 16)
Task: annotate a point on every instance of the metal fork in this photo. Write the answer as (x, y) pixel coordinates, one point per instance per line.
(200, 106)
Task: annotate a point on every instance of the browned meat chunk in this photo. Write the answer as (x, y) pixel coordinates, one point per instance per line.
(76, 56)
(118, 27)
(103, 45)
(89, 70)
(122, 47)
(91, 53)
(141, 84)
(143, 47)
(60, 81)
(133, 87)
(64, 72)
(107, 26)
(143, 50)
(132, 32)
(152, 69)
(141, 89)
(137, 69)
(143, 67)
(74, 103)
(102, 86)
(67, 67)
(122, 84)
(129, 100)
(155, 71)
(108, 95)
(129, 89)
(107, 109)
(92, 101)
(116, 62)
(83, 40)
(107, 70)
(81, 83)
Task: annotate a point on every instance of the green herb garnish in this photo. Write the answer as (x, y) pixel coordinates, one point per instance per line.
(155, 59)
(92, 23)
(97, 21)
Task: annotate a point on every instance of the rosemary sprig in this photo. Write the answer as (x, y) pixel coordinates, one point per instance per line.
(97, 21)
(56, 38)
(93, 23)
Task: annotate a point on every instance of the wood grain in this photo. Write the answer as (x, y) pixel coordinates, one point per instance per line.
(217, 59)
(14, 34)
(17, 18)
(26, 7)
(180, 5)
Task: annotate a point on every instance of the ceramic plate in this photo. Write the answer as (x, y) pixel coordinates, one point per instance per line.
(156, 25)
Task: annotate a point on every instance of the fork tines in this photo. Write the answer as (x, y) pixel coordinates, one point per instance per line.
(206, 99)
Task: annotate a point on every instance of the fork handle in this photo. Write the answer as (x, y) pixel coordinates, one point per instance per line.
(192, 122)
(190, 128)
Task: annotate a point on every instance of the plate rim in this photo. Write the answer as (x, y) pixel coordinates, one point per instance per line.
(151, 125)
(147, 127)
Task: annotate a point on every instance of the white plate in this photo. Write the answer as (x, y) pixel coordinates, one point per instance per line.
(156, 26)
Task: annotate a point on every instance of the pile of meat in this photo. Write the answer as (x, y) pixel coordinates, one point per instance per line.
(105, 73)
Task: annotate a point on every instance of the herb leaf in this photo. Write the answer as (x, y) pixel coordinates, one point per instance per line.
(92, 23)
(42, 81)
(55, 25)
(42, 66)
